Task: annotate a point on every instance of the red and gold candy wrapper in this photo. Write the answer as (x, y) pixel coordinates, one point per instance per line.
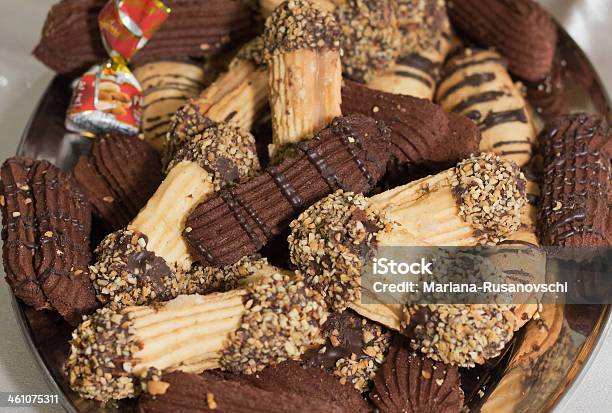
(107, 98)
(127, 25)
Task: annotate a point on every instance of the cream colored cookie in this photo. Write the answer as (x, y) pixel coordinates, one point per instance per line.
(476, 84)
(116, 350)
(166, 87)
(426, 40)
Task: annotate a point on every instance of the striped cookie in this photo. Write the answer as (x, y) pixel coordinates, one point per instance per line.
(166, 86)
(476, 84)
(426, 40)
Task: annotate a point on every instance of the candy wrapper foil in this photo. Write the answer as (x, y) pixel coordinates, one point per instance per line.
(107, 98)
(127, 25)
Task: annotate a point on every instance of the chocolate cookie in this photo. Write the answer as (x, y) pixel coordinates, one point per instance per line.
(71, 38)
(409, 382)
(351, 154)
(310, 382)
(422, 134)
(521, 30)
(576, 192)
(119, 176)
(46, 227)
(184, 392)
(549, 96)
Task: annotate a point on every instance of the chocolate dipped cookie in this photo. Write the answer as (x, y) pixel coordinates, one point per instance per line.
(147, 259)
(116, 352)
(426, 39)
(351, 153)
(354, 349)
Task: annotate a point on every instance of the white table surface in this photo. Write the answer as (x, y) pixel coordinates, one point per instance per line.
(23, 80)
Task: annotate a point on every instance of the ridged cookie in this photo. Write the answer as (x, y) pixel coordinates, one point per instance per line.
(71, 37)
(46, 226)
(522, 31)
(166, 86)
(351, 153)
(576, 190)
(213, 393)
(475, 83)
(119, 176)
(422, 134)
(410, 382)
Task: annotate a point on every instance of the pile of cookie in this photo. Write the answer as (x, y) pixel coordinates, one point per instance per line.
(237, 223)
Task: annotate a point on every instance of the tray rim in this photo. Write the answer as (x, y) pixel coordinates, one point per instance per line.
(601, 330)
(17, 305)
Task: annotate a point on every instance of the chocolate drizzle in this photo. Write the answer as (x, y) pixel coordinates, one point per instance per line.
(453, 68)
(285, 187)
(353, 152)
(474, 115)
(419, 62)
(503, 143)
(488, 96)
(158, 125)
(197, 83)
(46, 230)
(180, 98)
(412, 75)
(477, 79)
(497, 118)
(325, 171)
(350, 154)
(234, 204)
(488, 103)
(577, 177)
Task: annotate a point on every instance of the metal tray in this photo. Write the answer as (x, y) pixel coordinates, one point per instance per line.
(492, 387)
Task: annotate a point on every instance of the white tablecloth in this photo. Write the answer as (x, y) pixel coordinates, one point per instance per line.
(23, 79)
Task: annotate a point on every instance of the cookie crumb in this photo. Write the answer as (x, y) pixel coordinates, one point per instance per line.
(210, 400)
(157, 387)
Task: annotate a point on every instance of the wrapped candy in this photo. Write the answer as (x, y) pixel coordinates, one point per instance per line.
(107, 98)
